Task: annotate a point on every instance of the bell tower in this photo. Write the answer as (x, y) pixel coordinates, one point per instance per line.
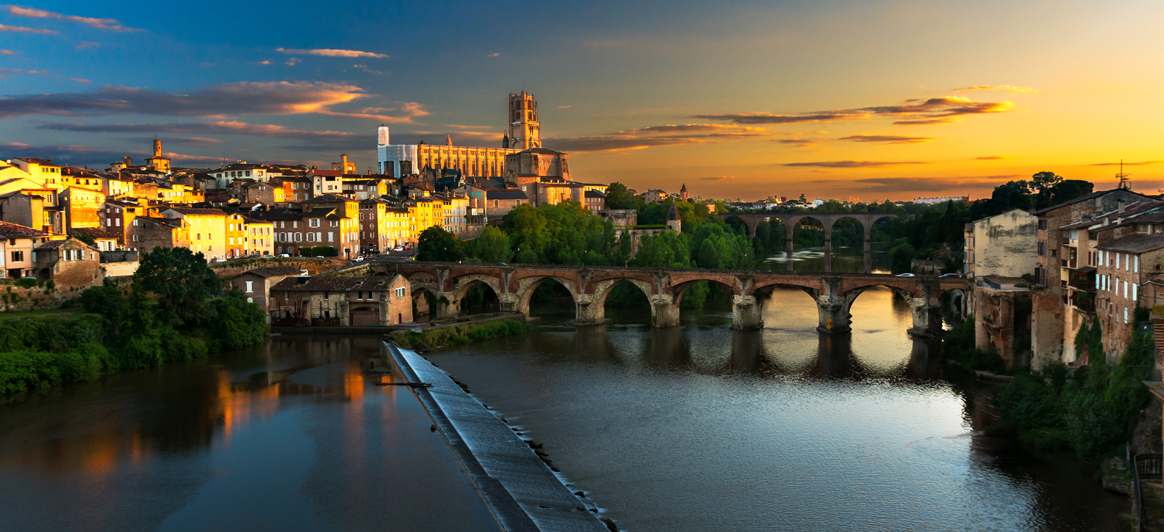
(525, 131)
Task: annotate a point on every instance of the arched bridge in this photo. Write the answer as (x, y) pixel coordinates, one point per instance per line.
(827, 220)
(589, 287)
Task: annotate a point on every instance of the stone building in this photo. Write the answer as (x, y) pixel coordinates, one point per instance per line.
(69, 263)
(523, 133)
(16, 245)
(500, 202)
(1001, 245)
(82, 207)
(343, 301)
(150, 233)
(256, 284)
(1051, 266)
(997, 302)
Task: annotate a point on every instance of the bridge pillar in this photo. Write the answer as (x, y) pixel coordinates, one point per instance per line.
(664, 314)
(868, 248)
(788, 244)
(833, 313)
(927, 314)
(747, 313)
(588, 312)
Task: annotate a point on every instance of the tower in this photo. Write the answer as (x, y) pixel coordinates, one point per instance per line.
(683, 192)
(157, 148)
(382, 135)
(525, 131)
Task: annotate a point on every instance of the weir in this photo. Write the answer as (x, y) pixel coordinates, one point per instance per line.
(590, 286)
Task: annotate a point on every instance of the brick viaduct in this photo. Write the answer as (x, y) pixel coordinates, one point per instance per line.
(791, 219)
(589, 286)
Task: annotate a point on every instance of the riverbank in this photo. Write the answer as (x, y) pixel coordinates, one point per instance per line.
(521, 490)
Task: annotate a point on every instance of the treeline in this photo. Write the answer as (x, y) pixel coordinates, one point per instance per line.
(171, 312)
(1088, 410)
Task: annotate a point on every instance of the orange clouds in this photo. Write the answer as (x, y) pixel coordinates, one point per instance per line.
(889, 139)
(99, 23)
(912, 112)
(330, 52)
(22, 29)
(854, 164)
(1007, 88)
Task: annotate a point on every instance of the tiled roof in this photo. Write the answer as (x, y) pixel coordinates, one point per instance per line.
(11, 230)
(334, 284)
(98, 233)
(1134, 243)
(326, 198)
(272, 271)
(196, 210)
(505, 194)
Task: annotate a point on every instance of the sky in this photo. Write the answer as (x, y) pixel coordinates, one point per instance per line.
(853, 100)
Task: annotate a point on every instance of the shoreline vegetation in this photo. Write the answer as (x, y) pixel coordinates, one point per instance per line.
(1092, 411)
(169, 313)
(459, 334)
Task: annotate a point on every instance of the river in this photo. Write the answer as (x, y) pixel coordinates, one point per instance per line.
(689, 428)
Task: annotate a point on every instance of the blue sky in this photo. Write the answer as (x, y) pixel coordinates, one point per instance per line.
(862, 99)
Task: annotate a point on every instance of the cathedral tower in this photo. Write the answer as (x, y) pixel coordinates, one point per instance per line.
(525, 131)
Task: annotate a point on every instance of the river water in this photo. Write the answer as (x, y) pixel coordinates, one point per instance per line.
(689, 428)
(704, 428)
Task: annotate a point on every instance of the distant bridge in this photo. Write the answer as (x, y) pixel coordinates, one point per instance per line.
(827, 220)
(589, 287)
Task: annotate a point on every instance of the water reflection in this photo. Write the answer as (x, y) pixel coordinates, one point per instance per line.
(290, 436)
(701, 427)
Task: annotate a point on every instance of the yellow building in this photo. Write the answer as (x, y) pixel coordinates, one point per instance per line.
(208, 229)
(260, 237)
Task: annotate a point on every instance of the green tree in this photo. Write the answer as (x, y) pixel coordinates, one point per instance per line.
(437, 245)
(491, 246)
(620, 197)
(181, 280)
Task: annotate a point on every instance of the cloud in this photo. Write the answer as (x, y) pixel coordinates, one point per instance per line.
(494, 54)
(22, 29)
(292, 61)
(78, 155)
(7, 52)
(889, 139)
(317, 140)
(991, 158)
(801, 143)
(1007, 88)
(1141, 163)
(565, 106)
(457, 126)
(194, 140)
(262, 62)
(330, 52)
(86, 44)
(854, 164)
(81, 80)
(241, 98)
(99, 23)
(719, 178)
(913, 112)
(654, 136)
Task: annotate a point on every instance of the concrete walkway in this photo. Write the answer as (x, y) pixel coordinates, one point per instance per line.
(523, 493)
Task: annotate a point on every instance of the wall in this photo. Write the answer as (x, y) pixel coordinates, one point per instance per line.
(1004, 244)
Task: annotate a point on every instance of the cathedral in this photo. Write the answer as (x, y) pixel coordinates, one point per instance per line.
(521, 154)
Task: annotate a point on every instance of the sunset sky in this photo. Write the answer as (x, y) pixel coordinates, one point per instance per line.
(842, 99)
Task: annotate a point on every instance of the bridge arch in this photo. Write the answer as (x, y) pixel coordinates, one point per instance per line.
(462, 285)
(680, 290)
(528, 285)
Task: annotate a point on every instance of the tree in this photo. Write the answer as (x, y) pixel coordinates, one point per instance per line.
(491, 246)
(437, 245)
(1070, 189)
(620, 197)
(181, 280)
(1044, 184)
(106, 301)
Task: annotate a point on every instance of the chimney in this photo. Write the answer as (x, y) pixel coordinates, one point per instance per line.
(1120, 205)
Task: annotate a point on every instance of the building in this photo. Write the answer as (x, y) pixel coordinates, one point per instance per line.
(344, 166)
(82, 207)
(42, 172)
(260, 237)
(239, 170)
(1053, 261)
(149, 233)
(159, 162)
(523, 133)
(68, 262)
(207, 229)
(1001, 245)
(119, 216)
(374, 228)
(256, 284)
(16, 245)
(500, 202)
(939, 201)
(342, 301)
(327, 182)
(536, 164)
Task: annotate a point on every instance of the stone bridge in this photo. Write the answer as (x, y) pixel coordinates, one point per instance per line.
(827, 220)
(589, 287)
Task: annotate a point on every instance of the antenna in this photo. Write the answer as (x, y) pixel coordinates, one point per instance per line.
(1122, 177)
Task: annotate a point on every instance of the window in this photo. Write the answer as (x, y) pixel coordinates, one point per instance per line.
(1042, 249)
(249, 286)
(1042, 225)
(1136, 265)
(135, 222)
